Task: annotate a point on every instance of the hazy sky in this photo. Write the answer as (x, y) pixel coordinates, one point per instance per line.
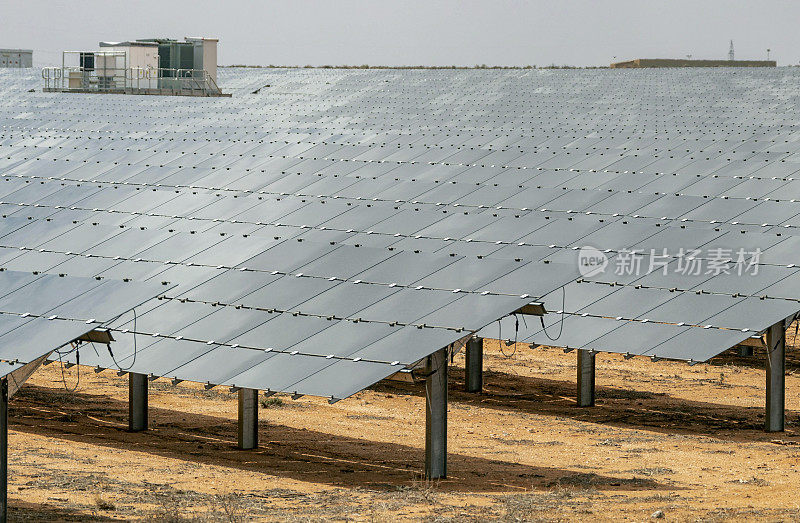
(411, 32)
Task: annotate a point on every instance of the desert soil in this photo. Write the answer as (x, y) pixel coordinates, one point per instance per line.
(664, 436)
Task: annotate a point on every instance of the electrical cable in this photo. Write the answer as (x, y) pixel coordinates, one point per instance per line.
(561, 328)
(78, 365)
(516, 333)
(135, 349)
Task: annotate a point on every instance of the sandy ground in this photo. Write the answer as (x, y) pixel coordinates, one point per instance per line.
(664, 436)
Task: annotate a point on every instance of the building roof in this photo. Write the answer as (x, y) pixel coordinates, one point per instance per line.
(136, 43)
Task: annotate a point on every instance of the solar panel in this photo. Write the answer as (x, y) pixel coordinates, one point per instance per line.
(382, 215)
(43, 312)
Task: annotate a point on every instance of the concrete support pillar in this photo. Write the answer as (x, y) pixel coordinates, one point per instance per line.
(137, 402)
(585, 378)
(436, 415)
(248, 419)
(473, 371)
(3, 450)
(776, 361)
(745, 350)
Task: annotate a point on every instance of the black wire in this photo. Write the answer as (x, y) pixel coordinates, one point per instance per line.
(115, 318)
(500, 330)
(561, 328)
(76, 350)
(135, 350)
(456, 347)
(78, 365)
(516, 333)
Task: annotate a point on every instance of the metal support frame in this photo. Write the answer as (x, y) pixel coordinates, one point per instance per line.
(137, 402)
(9, 385)
(18, 377)
(436, 415)
(3, 449)
(248, 419)
(585, 378)
(776, 364)
(473, 366)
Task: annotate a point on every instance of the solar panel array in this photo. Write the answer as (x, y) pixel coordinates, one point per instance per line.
(40, 313)
(327, 228)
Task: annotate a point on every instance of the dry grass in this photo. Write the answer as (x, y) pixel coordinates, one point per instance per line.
(683, 440)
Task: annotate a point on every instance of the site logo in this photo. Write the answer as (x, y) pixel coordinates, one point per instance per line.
(591, 261)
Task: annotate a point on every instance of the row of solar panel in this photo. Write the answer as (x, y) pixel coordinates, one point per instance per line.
(621, 154)
(597, 318)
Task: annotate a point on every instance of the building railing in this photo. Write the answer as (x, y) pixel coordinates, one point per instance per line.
(129, 79)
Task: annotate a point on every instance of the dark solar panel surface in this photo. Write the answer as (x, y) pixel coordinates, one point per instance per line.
(42, 312)
(339, 225)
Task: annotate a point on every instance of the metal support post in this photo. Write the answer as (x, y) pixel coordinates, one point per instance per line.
(4, 449)
(137, 402)
(585, 378)
(248, 418)
(776, 361)
(473, 371)
(436, 415)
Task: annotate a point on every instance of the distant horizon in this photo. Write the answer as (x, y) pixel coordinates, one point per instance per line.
(462, 33)
(479, 66)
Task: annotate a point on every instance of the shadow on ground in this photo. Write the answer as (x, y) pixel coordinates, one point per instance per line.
(300, 454)
(24, 511)
(618, 407)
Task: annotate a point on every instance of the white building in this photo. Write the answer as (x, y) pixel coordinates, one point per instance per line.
(139, 59)
(205, 54)
(16, 58)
